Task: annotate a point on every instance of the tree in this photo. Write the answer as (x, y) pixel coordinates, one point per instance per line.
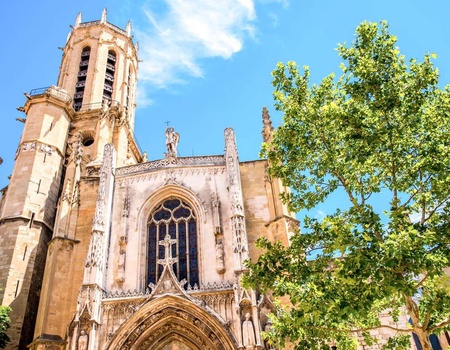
(4, 325)
(378, 136)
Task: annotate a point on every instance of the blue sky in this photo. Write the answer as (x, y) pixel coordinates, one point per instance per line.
(206, 63)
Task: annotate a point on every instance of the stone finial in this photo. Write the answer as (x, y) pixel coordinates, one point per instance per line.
(128, 29)
(104, 12)
(78, 19)
(267, 131)
(137, 46)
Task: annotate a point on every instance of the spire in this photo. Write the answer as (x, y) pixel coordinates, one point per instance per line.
(104, 12)
(78, 19)
(128, 29)
(267, 132)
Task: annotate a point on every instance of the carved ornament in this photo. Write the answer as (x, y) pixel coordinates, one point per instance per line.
(170, 162)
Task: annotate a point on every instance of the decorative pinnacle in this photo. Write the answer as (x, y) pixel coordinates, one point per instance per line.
(78, 19)
(167, 243)
(128, 29)
(267, 125)
(104, 13)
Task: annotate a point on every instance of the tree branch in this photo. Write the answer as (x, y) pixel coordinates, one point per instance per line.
(326, 329)
(417, 190)
(418, 285)
(439, 325)
(436, 208)
(340, 178)
(427, 321)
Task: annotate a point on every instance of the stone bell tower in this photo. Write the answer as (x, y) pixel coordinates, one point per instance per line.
(99, 70)
(46, 211)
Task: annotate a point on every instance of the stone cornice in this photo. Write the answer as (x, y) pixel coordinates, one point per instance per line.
(54, 95)
(38, 145)
(170, 163)
(26, 218)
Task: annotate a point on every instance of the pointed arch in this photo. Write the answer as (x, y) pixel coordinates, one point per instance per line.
(172, 190)
(110, 72)
(171, 318)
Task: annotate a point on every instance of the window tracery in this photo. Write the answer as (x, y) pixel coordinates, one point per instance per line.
(177, 218)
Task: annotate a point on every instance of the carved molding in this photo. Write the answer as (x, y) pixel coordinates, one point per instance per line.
(170, 321)
(88, 297)
(61, 244)
(197, 290)
(240, 243)
(170, 162)
(98, 222)
(123, 239)
(106, 172)
(163, 174)
(47, 344)
(95, 253)
(35, 145)
(46, 149)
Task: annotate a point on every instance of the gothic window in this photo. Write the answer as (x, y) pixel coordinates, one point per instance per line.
(176, 218)
(109, 75)
(81, 78)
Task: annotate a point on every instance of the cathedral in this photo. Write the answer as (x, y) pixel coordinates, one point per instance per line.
(102, 248)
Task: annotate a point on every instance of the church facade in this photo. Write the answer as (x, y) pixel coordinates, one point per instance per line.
(102, 248)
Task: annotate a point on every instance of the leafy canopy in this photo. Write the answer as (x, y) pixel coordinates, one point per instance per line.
(378, 136)
(4, 325)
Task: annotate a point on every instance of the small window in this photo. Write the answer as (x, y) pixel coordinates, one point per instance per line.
(87, 138)
(88, 141)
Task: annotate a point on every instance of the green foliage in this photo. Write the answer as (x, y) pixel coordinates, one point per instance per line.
(4, 325)
(379, 136)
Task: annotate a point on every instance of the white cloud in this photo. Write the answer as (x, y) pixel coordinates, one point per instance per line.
(143, 100)
(320, 215)
(173, 42)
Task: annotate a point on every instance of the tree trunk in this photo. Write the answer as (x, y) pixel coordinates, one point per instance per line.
(413, 312)
(423, 338)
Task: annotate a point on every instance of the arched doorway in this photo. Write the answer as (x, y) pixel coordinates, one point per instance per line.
(177, 344)
(172, 322)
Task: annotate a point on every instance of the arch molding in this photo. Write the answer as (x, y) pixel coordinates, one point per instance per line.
(170, 319)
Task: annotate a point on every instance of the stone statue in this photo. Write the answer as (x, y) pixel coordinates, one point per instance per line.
(248, 333)
(122, 259)
(83, 340)
(219, 258)
(172, 138)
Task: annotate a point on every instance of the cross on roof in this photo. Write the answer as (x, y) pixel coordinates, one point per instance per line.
(167, 243)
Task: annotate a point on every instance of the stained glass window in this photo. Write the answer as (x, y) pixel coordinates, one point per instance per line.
(176, 218)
